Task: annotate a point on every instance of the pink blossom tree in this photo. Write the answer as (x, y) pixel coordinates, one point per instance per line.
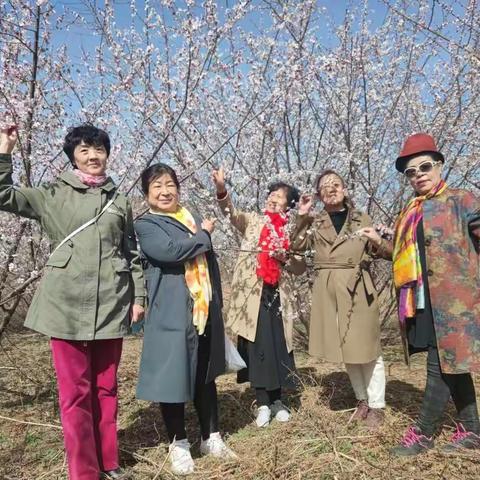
(268, 89)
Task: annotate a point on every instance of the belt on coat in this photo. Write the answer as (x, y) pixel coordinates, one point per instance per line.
(360, 272)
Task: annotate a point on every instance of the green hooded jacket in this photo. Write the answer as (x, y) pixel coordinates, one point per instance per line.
(91, 281)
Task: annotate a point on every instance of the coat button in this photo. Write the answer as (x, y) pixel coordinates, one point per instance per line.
(428, 241)
(430, 273)
(350, 260)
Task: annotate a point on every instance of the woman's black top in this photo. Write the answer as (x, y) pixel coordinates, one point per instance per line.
(338, 219)
(421, 330)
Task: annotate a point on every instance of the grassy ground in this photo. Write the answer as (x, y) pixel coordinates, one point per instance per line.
(318, 443)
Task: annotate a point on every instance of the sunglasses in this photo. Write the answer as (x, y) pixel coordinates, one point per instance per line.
(424, 167)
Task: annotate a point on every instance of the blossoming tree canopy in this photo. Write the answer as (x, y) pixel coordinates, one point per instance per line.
(270, 90)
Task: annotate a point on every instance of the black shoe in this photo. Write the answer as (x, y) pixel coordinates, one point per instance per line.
(413, 443)
(462, 440)
(117, 474)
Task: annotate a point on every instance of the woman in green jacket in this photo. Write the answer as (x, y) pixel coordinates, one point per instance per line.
(91, 289)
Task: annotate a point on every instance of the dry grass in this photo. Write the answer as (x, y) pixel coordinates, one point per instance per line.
(317, 444)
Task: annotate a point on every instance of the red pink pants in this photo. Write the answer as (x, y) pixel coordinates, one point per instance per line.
(87, 386)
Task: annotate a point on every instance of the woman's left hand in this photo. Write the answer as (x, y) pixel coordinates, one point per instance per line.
(209, 224)
(280, 254)
(136, 313)
(371, 235)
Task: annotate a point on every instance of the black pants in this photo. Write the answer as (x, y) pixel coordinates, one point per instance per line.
(267, 397)
(440, 387)
(269, 365)
(205, 401)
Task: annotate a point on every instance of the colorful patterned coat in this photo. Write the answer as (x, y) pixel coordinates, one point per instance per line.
(451, 223)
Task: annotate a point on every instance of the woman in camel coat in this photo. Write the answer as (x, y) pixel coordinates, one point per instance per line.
(344, 322)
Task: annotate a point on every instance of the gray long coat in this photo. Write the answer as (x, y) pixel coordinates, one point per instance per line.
(170, 344)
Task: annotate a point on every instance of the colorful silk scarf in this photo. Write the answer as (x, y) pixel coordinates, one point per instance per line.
(407, 268)
(197, 276)
(272, 238)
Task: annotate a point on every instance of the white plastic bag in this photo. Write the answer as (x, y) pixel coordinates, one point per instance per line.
(233, 361)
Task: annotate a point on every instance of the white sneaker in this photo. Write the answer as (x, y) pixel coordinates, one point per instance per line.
(280, 411)
(216, 447)
(181, 460)
(263, 416)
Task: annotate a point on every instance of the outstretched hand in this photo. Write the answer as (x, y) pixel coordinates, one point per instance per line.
(209, 224)
(371, 234)
(375, 234)
(218, 177)
(8, 138)
(305, 204)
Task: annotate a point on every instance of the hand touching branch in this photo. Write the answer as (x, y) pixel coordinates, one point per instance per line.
(8, 139)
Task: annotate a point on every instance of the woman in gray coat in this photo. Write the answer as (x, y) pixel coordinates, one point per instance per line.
(184, 346)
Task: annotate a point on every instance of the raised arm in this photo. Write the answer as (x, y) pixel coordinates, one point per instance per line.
(26, 202)
(238, 218)
(300, 239)
(160, 248)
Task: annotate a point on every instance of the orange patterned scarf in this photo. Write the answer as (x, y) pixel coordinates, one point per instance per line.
(197, 276)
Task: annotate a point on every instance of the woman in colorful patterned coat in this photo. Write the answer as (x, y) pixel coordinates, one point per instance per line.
(435, 268)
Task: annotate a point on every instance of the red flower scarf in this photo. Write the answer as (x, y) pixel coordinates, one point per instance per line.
(272, 238)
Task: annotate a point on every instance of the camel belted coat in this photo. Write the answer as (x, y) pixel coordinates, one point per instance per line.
(344, 322)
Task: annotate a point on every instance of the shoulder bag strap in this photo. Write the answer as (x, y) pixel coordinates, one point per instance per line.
(85, 225)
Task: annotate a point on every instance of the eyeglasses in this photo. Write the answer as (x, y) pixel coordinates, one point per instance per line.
(424, 167)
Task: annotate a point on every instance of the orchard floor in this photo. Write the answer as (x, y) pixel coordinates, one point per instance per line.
(318, 443)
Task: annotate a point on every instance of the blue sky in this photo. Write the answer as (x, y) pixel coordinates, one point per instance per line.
(80, 38)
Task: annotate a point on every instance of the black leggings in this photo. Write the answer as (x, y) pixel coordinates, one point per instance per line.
(205, 401)
(440, 387)
(267, 397)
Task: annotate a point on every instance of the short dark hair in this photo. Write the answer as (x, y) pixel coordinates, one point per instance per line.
(88, 134)
(293, 195)
(152, 172)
